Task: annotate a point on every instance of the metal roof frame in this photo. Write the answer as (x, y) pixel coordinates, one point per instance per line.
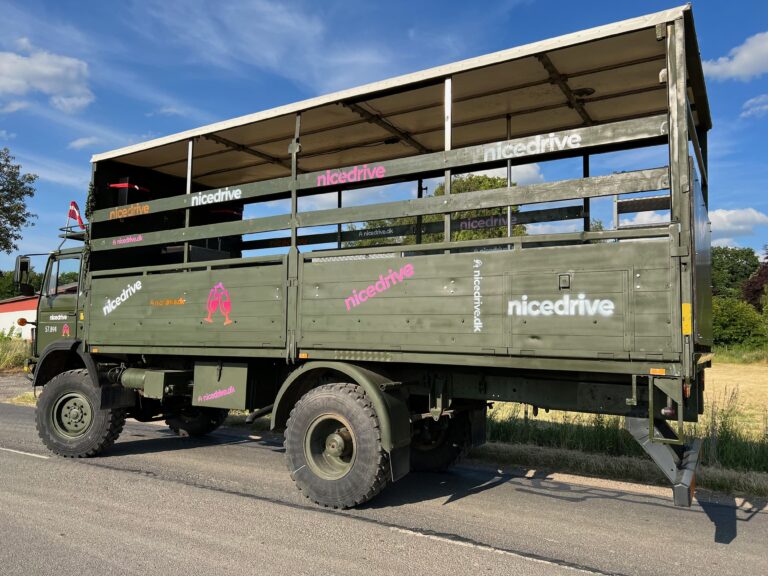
(356, 99)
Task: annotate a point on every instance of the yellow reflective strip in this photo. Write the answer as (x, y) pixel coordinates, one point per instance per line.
(687, 316)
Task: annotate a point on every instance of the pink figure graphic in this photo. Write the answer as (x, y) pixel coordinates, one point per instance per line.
(218, 299)
(65, 331)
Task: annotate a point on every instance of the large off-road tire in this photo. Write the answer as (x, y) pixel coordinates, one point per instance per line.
(69, 420)
(333, 446)
(436, 446)
(194, 421)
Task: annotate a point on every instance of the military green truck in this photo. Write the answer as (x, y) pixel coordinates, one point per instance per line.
(290, 263)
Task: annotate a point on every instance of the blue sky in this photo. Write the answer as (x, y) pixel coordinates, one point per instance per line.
(78, 78)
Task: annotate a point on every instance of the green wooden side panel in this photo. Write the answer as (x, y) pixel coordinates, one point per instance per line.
(608, 300)
(247, 308)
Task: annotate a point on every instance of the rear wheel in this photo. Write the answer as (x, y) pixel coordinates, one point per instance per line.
(69, 420)
(436, 446)
(194, 421)
(333, 447)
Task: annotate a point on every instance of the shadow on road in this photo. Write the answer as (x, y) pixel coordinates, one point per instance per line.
(166, 441)
(418, 487)
(726, 513)
(723, 511)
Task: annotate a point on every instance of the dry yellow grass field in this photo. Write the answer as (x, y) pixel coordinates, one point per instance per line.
(748, 381)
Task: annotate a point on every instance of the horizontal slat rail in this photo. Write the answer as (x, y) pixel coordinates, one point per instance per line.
(518, 218)
(251, 226)
(624, 183)
(574, 141)
(596, 186)
(647, 204)
(146, 270)
(659, 231)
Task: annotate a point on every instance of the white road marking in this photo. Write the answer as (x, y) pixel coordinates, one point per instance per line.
(487, 548)
(25, 453)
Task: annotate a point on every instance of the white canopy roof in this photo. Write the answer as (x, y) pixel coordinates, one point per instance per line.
(600, 75)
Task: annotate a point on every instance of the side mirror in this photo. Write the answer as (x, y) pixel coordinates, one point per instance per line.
(21, 276)
(21, 271)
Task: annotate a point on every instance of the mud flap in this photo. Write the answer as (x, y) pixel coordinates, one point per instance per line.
(400, 462)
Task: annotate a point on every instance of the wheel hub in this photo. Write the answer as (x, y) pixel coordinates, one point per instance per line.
(329, 447)
(72, 414)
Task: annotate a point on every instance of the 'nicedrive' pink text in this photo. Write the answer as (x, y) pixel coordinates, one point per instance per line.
(356, 174)
(383, 284)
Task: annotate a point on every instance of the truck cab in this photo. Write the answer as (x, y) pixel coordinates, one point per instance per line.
(60, 304)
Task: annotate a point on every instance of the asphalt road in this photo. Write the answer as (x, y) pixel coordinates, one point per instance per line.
(161, 505)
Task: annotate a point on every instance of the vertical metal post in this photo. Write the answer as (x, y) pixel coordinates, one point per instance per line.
(190, 152)
(679, 180)
(585, 174)
(419, 194)
(292, 280)
(294, 150)
(509, 177)
(338, 229)
(447, 104)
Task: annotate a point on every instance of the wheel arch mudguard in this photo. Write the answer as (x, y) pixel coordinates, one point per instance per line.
(68, 354)
(392, 411)
(60, 356)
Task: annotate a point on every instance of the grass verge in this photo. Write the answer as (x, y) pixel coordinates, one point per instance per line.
(13, 351)
(726, 441)
(741, 355)
(26, 399)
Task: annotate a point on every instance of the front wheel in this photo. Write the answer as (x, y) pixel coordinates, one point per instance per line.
(333, 446)
(69, 420)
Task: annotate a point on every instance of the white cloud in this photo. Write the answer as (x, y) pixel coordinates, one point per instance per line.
(727, 224)
(5, 135)
(288, 40)
(62, 78)
(106, 134)
(54, 171)
(645, 218)
(523, 174)
(747, 61)
(167, 111)
(84, 142)
(13, 106)
(727, 242)
(554, 227)
(755, 107)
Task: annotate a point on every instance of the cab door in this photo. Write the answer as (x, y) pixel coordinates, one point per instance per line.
(58, 306)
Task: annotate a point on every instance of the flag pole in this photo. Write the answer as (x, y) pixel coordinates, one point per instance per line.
(65, 231)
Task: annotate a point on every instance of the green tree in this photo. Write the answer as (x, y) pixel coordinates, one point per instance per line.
(756, 287)
(459, 185)
(7, 290)
(731, 267)
(736, 322)
(15, 189)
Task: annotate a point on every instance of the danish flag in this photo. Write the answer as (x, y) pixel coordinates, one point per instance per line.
(74, 214)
